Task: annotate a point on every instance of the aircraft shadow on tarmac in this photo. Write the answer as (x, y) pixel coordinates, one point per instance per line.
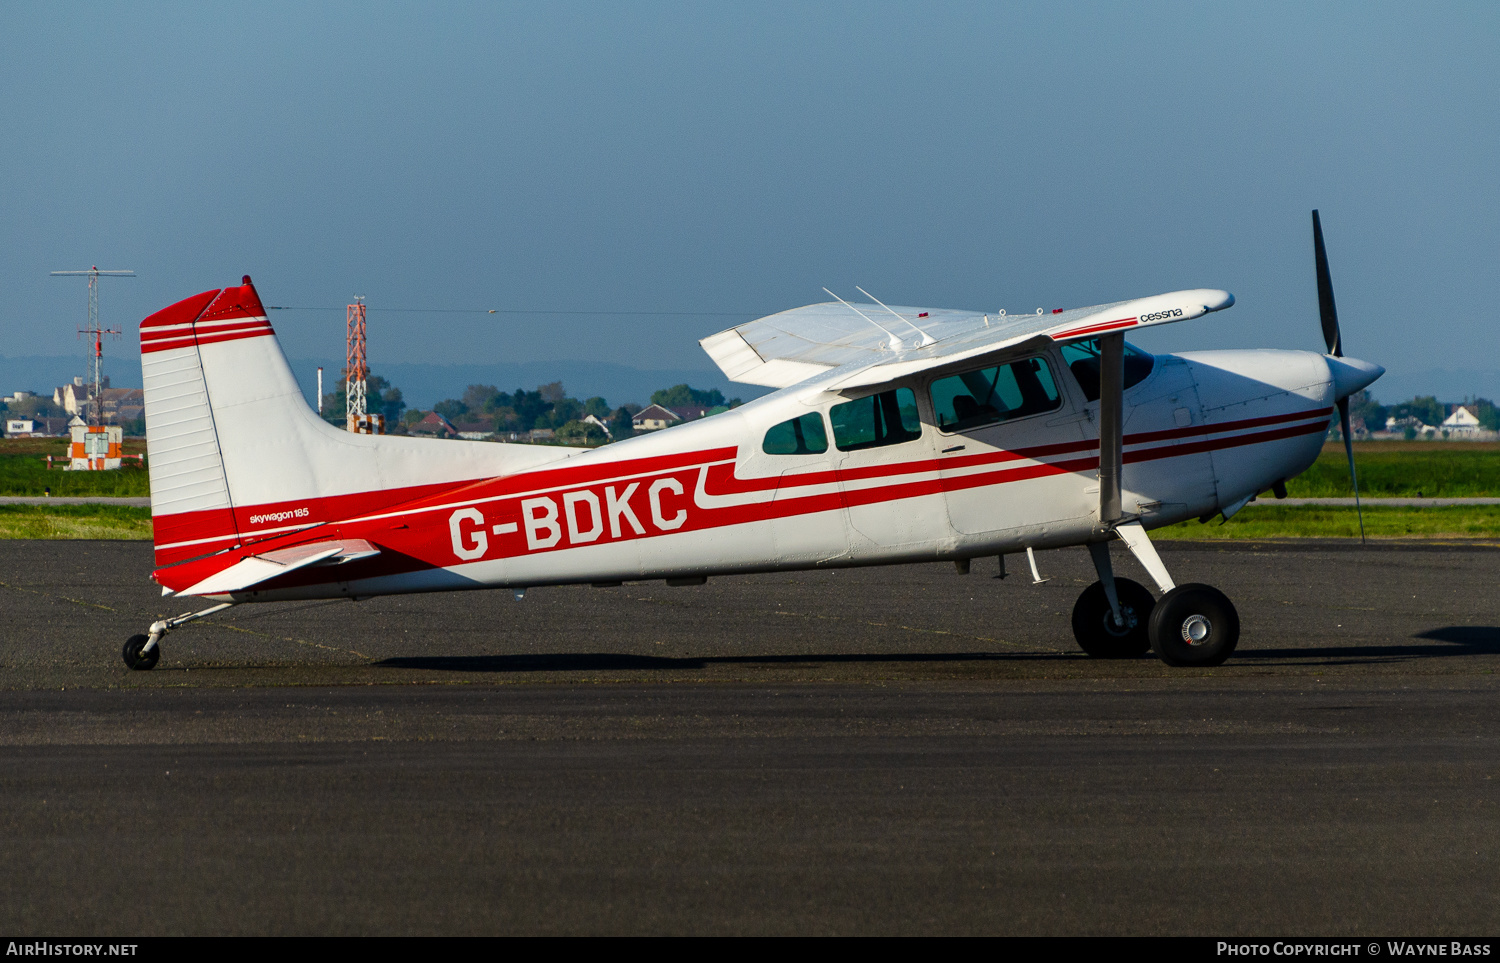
(602, 661)
(1461, 640)
(1467, 640)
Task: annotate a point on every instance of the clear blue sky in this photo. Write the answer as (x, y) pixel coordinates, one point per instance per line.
(659, 157)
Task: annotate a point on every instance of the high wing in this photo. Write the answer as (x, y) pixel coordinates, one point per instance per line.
(877, 344)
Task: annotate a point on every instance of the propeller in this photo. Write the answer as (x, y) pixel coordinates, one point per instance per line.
(1328, 313)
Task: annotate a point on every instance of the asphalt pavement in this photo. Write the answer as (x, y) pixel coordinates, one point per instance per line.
(894, 750)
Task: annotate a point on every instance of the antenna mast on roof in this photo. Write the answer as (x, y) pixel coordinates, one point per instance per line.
(96, 334)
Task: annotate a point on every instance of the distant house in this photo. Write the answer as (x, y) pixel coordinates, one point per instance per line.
(690, 412)
(541, 434)
(591, 420)
(122, 404)
(473, 430)
(654, 418)
(433, 426)
(1461, 423)
(1411, 421)
(36, 427)
(75, 398)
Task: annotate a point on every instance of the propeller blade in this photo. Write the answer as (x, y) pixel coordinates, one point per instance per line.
(1327, 311)
(1349, 450)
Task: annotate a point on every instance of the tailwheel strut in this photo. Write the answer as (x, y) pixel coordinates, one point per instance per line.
(143, 651)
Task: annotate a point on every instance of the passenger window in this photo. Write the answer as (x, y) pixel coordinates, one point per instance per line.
(888, 418)
(1082, 358)
(989, 395)
(800, 436)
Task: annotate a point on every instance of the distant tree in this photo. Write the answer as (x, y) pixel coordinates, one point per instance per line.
(682, 396)
(552, 391)
(529, 406)
(381, 397)
(1365, 411)
(452, 409)
(581, 433)
(597, 407)
(1424, 407)
(1484, 409)
(619, 422)
(478, 398)
(34, 407)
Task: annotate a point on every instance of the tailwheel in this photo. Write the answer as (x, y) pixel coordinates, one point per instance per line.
(1194, 625)
(138, 656)
(1094, 623)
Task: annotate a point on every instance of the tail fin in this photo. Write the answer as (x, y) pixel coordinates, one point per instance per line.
(236, 453)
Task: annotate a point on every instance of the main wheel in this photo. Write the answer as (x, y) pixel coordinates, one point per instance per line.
(1194, 625)
(1094, 624)
(135, 655)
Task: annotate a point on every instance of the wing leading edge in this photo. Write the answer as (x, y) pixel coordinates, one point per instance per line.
(878, 344)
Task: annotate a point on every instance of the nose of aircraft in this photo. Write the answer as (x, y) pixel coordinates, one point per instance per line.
(1351, 374)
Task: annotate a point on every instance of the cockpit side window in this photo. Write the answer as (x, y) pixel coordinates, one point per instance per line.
(888, 418)
(988, 395)
(1082, 358)
(799, 436)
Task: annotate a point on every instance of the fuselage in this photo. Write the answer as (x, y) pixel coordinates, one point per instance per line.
(922, 469)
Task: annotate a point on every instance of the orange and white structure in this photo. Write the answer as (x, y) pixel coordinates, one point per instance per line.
(356, 373)
(94, 447)
(896, 434)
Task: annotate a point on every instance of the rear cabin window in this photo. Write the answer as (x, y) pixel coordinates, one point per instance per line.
(1082, 358)
(800, 436)
(888, 418)
(989, 395)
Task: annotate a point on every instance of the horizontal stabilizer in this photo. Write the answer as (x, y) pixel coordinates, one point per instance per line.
(252, 570)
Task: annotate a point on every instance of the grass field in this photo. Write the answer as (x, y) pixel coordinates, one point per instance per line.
(1272, 521)
(74, 521)
(1418, 469)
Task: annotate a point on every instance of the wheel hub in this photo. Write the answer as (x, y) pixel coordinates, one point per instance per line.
(1120, 631)
(1196, 630)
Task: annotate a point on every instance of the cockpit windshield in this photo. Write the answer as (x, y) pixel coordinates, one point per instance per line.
(1082, 358)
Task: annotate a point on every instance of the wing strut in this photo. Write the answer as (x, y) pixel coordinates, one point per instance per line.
(1111, 421)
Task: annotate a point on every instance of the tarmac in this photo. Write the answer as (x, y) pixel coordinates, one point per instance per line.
(899, 750)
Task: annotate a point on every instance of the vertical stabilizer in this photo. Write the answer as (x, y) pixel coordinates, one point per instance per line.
(236, 454)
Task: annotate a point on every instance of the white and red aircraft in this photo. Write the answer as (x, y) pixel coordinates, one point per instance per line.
(897, 434)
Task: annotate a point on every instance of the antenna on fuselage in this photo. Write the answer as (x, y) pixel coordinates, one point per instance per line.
(894, 342)
(926, 338)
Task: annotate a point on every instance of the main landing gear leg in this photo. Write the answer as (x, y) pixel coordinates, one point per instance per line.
(1110, 617)
(143, 651)
(1191, 624)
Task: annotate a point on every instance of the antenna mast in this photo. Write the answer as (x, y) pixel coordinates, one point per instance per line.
(356, 368)
(96, 334)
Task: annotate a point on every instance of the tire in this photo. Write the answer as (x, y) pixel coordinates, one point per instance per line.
(1094, 624)
(133, 656)
(1194, 625)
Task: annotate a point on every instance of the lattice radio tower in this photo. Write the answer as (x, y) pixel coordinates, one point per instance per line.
(356, 368)
(96, 335)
